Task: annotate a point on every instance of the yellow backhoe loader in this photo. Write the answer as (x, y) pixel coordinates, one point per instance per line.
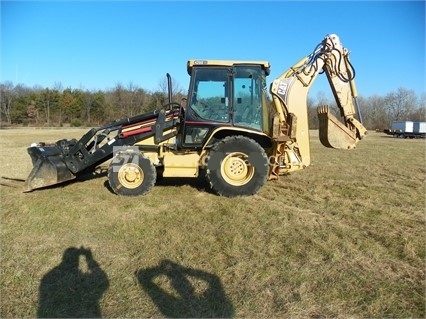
(227, 129)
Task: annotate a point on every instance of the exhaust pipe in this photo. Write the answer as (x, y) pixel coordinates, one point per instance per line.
(169, 88)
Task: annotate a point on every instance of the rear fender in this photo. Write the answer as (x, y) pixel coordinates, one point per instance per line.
(221, 132)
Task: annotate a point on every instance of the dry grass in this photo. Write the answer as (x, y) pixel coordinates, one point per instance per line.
(343, 238)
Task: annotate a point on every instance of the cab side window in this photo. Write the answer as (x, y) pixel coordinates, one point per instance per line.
(247, 98)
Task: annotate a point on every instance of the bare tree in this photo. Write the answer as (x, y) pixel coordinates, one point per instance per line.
(374, 112)
(88, 99)
(400, 104)
(59, 88)
(6, 101)
(32, 112)
(312, 114)
(177, 91)
(118, 100)
(135, 97)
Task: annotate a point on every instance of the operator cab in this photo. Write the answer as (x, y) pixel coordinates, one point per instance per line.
(225, 93)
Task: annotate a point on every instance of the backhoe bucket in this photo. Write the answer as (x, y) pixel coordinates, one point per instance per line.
(48, 168)
(332, 133)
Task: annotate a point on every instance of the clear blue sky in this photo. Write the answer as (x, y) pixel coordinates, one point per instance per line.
(96, 45)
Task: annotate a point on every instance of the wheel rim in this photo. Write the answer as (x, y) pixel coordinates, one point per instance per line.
(236, 170)
(130, 175)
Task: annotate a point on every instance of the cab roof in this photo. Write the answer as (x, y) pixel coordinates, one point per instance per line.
(191, 63)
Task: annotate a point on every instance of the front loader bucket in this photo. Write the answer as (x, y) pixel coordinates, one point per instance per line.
(332, 133)
(48, 168)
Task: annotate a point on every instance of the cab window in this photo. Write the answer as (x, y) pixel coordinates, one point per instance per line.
(248, 96)
(209, 100)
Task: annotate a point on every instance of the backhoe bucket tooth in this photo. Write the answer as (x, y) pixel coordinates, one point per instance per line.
(332, 133)
(48, 168)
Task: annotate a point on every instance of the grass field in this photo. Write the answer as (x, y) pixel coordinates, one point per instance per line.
(343, 238)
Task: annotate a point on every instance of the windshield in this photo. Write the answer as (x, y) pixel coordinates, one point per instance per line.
(209, 98)
(212, 97)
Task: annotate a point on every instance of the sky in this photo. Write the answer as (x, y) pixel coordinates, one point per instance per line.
(96, 45)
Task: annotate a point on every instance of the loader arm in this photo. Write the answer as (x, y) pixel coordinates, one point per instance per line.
(290, 131)
(64, 160)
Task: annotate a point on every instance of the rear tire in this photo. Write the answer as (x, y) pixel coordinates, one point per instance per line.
(236, 166)
(131, 174)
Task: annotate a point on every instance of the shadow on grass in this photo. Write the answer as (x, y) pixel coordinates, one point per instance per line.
(181, 292)
(199, 183)
(81, 177)
(68, 292)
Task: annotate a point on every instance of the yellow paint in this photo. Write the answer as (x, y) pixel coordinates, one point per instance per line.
(181, 165)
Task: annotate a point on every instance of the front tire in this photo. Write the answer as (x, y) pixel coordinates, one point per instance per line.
(131, 174)
(237, 166)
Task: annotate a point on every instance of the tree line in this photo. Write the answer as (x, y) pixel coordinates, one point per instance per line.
(37, 106)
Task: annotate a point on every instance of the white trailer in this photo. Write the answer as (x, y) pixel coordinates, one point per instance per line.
(402, 126)
(407, 129)
(419, 128)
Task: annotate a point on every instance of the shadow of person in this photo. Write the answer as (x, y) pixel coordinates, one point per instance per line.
(181, 292)
(67, 291)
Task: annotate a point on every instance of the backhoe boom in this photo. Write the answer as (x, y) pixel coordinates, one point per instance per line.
(289, 93)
